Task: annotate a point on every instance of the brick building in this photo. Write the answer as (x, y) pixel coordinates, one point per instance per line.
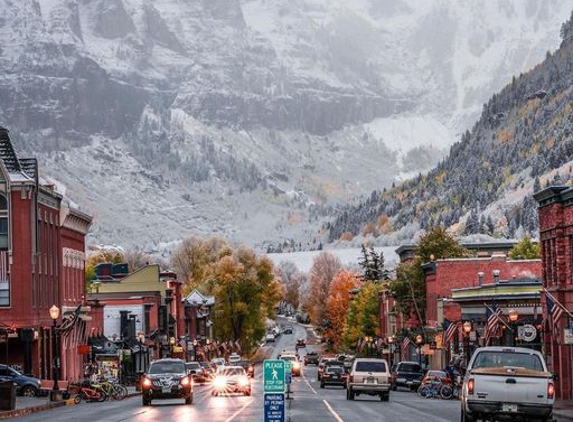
(42, 253)
(556, 237)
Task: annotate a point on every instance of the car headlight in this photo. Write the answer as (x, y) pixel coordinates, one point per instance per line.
(185, 381)
(146, 382)
(243, 382)
(296, 365)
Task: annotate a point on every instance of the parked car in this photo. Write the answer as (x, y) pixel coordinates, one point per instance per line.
(369, 376)
(231, 379)
(407, 375)
(25, 385)
(507, 383)
(248, 366)
(311, 358)
(270, 338)
(436, 376)
(333, 375)
(167, 379)
(288, 329)
(301, 343)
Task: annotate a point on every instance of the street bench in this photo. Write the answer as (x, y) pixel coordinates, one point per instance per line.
(48, 385)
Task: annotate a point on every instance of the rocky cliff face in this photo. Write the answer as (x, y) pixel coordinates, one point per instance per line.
(287, 105)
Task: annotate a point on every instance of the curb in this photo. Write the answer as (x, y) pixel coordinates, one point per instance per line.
(8, 414)
(27, 410)
(567, 416)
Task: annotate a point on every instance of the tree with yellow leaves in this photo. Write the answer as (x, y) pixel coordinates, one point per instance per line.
(337, 305)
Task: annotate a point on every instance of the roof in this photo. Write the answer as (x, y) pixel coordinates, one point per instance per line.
(7, 152)
(197, 298)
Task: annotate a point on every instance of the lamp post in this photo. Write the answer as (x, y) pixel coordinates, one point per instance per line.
(208, 347)
(391, 341)
(419, 341)
(171, 345)
(55, 393)
(467, 326)
(195, 343)
(513, 317)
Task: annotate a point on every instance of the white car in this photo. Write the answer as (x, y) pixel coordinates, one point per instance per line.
(270, 338)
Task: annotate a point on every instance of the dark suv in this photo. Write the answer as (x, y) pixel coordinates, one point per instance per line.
(311, 358)
(167, 379)
(408, 375)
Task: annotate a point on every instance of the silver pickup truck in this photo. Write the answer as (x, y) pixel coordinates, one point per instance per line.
(507, 383)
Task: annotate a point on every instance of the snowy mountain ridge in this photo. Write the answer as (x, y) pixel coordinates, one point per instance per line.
(249, 118)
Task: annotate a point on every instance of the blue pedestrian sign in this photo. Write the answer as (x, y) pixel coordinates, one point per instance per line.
(288, 378)
(274, 376)
(274, 407)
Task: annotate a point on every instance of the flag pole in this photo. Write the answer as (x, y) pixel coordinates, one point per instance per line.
(557, 302)
(498, 318)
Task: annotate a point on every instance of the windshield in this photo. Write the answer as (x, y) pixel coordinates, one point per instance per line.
(167, 368)
(334, 370)
(409, 367)
(501, 359)
(233, 371)
(289, 358)
(370, 366)
(193, 366)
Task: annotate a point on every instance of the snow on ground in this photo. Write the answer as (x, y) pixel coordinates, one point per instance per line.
(348, 257)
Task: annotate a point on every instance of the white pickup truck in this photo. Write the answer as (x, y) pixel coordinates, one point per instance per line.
(507, 383)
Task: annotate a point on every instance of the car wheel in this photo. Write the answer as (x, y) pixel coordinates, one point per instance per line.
(350, 394)
(321, 385)
(385, 397)
(466, 417)
(189, 400)
(145, 402)
(394, 388)
(29, 391)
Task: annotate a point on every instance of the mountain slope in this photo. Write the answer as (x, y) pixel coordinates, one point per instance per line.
(248, 118)
(522, 141)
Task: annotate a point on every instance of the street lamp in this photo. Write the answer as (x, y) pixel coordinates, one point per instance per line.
(55, 393)
(208, 343)
(195, 343)
(391, 341)
(419, 341)
(467, 326)
(513, 317)
(171, 345)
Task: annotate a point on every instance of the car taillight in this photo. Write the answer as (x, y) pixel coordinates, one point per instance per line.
(185, 381)
(550, 390)
(146, 382)
(351, 378)
(471, 386)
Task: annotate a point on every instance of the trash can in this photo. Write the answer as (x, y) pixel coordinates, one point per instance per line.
(7, 395)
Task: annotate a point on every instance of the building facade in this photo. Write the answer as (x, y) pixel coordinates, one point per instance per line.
(42, 256)
(556, 237)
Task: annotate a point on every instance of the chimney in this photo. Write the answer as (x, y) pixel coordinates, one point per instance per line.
(496, 276)
(480, 278)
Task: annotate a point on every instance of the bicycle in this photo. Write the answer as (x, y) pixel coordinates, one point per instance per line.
(113, 390)
(434, 389)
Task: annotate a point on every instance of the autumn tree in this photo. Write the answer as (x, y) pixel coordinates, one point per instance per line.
(324, 268)
(337, 305)
(363, 314)
(409, 288)
(112, 255)
(246, 293)
(525, 249)
(193, 261)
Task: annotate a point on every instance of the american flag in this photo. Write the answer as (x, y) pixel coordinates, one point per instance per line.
(452, 329)
(406, 347)
(555, 309)
(492, 328)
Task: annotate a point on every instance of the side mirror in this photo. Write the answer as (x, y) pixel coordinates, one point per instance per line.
(555, 376)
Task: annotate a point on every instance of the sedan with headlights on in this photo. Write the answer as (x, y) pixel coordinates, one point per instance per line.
(231, 379)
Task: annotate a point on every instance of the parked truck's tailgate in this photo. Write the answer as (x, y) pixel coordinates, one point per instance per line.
(510, 384)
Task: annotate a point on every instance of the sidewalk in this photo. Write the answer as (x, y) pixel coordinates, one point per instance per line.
(27, 405)
(563, 410)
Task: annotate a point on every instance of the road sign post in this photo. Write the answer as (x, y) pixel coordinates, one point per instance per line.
(274, 407)
(274, 376)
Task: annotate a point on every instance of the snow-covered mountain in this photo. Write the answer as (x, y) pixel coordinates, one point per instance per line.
(249, 117)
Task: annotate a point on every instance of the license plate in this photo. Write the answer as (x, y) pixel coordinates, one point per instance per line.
(509, 407)
(370, 380)
(401, 380)
(335, 377)
(166, 390)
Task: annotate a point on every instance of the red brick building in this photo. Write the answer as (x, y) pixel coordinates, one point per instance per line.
(42, 246)
(556, 237)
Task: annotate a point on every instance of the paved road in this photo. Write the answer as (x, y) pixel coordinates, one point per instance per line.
(310, 403)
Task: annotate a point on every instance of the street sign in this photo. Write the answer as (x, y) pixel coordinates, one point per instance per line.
(274, 376)
(274, 407)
